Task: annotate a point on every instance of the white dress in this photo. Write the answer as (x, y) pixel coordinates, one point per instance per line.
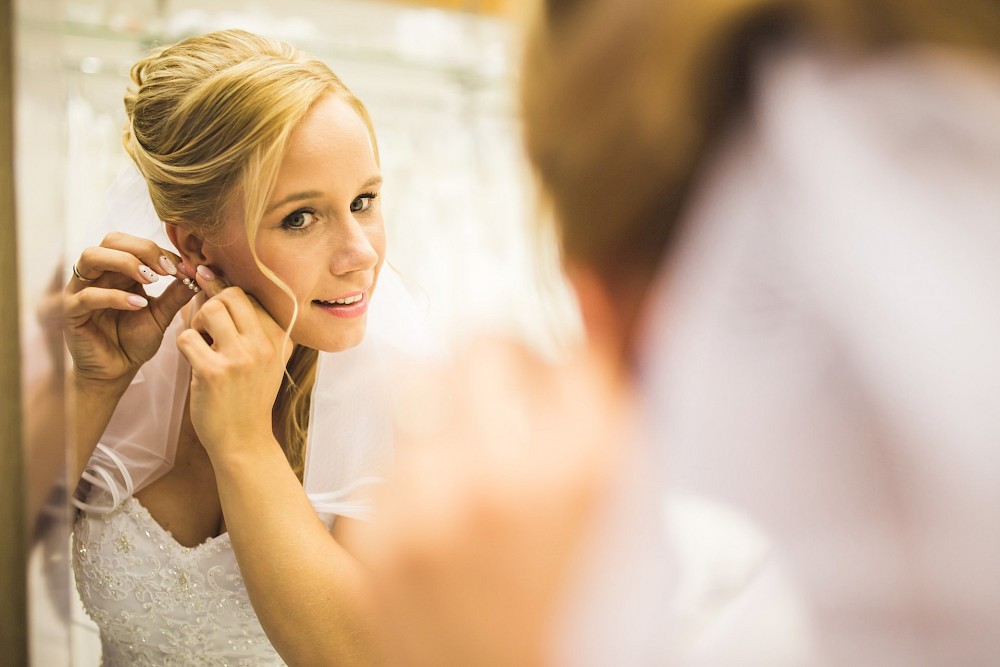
(157, 602)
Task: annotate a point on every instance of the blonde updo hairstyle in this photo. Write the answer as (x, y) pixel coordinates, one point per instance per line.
(208, 123)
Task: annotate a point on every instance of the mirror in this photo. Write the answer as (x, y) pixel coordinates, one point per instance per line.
(13, 628)
(440, 84)
(38, 159)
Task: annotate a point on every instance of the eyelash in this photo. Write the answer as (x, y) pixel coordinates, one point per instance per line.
(370, 196)
(297, 230)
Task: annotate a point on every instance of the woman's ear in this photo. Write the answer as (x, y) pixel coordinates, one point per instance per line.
(189, 246)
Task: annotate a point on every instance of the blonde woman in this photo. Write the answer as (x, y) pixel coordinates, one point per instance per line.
(781, 220)
(193, 415)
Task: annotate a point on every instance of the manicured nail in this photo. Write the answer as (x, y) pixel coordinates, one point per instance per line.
(148, 274)
(205, 272)
(167, 265)
(137, 301)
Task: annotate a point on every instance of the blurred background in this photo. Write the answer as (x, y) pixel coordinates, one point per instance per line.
(439, 79)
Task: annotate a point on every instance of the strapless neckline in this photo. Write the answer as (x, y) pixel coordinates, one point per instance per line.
(149, 520)
(158, 602)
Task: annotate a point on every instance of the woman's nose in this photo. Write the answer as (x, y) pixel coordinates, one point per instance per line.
(354, 249)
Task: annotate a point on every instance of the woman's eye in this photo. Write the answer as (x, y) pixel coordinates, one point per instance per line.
(362, 203)
(299, 220)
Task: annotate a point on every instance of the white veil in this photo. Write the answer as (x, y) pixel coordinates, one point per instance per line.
(350, 439)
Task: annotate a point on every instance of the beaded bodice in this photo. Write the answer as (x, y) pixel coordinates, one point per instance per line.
(157, 602)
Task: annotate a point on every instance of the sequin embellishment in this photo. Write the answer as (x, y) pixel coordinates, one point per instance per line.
(158, 602)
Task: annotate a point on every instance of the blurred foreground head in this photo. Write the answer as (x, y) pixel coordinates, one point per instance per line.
(624, 99)
(820, 357)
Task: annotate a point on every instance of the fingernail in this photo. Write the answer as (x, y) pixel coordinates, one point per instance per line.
(148, 274)
(137, 301)
(205, 272)
(167, 265)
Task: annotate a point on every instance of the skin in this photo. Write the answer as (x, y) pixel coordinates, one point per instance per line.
(230, 472)
(503, 460)
(326, 245)
(108, 337)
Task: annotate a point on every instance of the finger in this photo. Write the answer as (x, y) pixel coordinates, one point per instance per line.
(91, 299)
(250, 317)
(214, 319)
(97, 261)
(215, 286)
(253, 321)
(195, 349)
(208, 281)
(164, 307)
(162, 261)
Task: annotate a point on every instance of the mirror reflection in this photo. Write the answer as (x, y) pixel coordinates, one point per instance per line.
(344, 181)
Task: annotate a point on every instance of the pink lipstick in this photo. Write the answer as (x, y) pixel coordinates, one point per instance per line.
(345, 307)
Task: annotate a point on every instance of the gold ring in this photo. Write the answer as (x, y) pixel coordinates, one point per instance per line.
(81, 278)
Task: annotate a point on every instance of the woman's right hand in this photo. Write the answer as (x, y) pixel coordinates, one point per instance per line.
(111, 326)
(237, 354)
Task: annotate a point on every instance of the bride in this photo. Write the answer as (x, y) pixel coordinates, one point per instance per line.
(193, 407)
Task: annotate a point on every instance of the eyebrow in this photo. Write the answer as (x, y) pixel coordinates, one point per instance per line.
(310, 194)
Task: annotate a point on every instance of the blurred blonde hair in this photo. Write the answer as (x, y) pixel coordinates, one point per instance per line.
(624, 99)
(208, 123)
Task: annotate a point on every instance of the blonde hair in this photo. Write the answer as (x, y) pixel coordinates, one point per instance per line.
(208, 123)
(624, 99)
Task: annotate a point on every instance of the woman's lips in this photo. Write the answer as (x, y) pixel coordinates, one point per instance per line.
(345, 311)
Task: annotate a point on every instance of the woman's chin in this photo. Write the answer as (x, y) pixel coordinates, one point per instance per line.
(339, 343)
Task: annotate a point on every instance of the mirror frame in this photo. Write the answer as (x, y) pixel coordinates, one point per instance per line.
(13, 548)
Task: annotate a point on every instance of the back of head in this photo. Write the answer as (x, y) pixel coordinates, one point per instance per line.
(208, 119)
(761, 378)
(623, 100)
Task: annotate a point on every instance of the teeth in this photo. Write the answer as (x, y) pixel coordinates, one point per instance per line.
(349, 300)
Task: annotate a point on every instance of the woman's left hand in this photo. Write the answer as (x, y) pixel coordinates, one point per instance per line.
(237, 354)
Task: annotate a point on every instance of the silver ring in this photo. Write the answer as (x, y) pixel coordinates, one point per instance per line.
(81, 278)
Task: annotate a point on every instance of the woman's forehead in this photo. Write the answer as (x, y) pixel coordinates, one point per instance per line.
(331, 139)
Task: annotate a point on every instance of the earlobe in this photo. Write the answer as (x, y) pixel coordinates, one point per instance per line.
(189, 246)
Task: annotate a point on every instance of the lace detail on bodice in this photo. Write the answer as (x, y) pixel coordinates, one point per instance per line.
(158, 602)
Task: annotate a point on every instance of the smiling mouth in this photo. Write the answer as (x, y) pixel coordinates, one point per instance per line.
(341, 302)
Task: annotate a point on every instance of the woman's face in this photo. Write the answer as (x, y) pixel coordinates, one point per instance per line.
(322, 232)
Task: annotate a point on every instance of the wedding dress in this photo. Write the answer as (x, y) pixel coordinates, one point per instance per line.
(157, 602)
